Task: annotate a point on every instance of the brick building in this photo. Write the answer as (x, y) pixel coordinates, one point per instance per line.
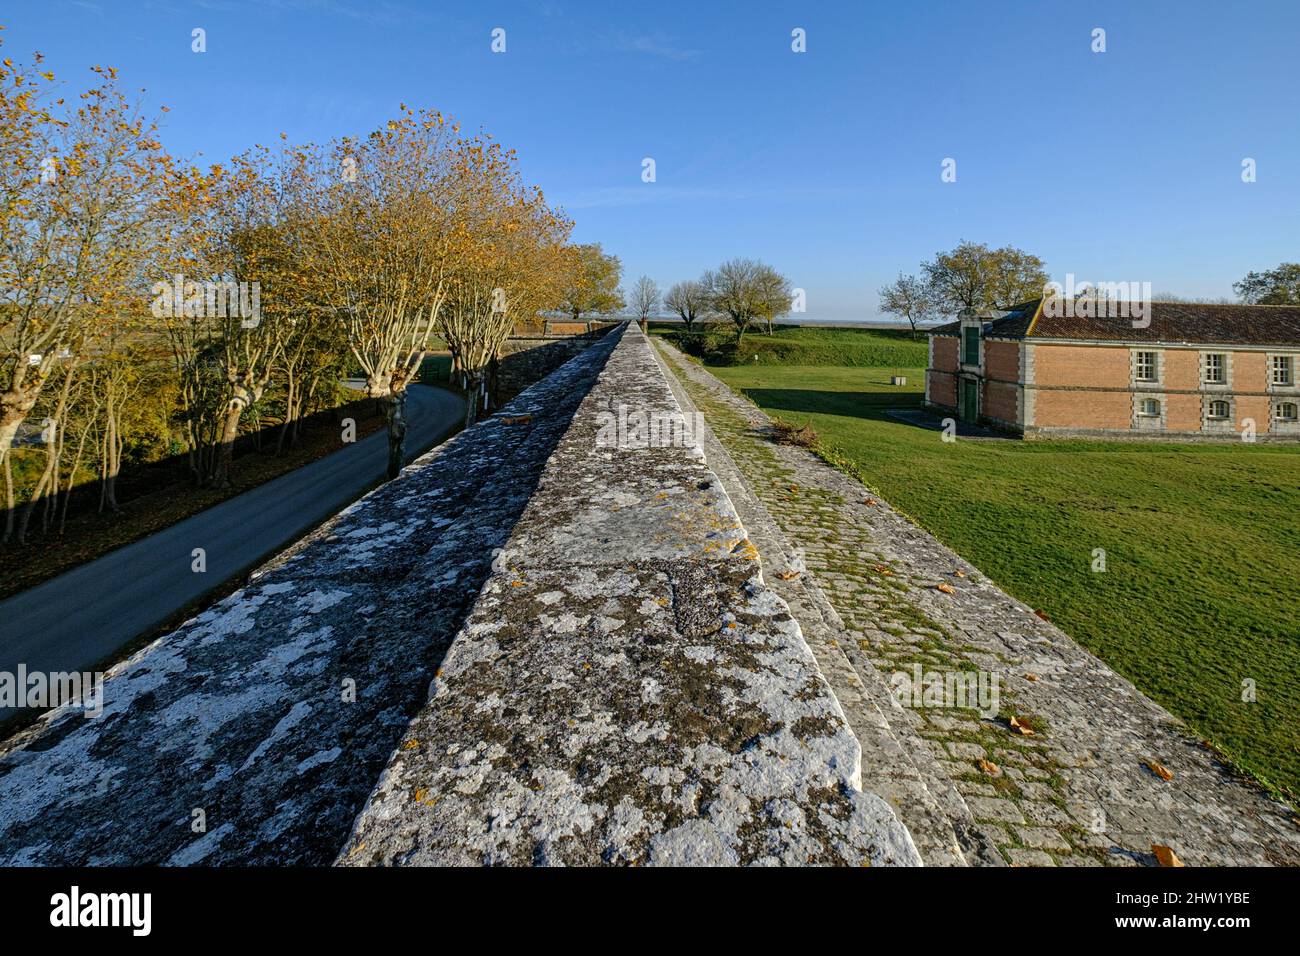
(1194, 370)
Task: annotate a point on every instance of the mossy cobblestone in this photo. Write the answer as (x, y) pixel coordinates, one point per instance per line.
(1078, 791)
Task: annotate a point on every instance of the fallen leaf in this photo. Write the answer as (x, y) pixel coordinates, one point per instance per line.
(960, 574)
(1042, 614)
(1024, 728)
(869, 501)
(516, 419)
(946, 588)
(1031, 677)
(1165, 856)
(794, 489)
(988, 767)
(1160, 770)
(882, 569)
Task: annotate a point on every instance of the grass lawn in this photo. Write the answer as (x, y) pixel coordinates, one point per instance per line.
(1202, 545)
(803, 345)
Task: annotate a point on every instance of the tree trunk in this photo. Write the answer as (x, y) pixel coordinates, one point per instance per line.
(9, 498)
(37, 494)
(110, 466)
(15, 405)
(229, 432)
(471, 398)
(395, 412)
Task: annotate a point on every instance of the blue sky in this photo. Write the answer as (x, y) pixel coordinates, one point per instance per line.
(1116, 166)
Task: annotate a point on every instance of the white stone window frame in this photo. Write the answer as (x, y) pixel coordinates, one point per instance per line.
(1227, 424)
(1293, 388)
(1283, 426)
(1158, 383)
(1226, 384)
(1149, 423)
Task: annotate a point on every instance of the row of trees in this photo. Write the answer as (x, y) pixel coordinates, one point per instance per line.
(143, 296)
(742, 291)
(970, 276)
(974, 276)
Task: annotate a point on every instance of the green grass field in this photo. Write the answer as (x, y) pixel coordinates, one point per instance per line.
(1202, 544)
(794, 345)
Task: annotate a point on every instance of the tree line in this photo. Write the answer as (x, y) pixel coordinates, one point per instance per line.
(741, 291)
(976, 277)
(146, 300)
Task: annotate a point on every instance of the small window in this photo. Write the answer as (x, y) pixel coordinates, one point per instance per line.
(1219, 409)
(971, 341)
(1146, 367)
(1214, 370)
(1150, 408)
(1286, 411)
(1283, 370)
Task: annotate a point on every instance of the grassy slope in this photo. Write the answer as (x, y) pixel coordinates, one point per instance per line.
(792, 345)
(1202, 545)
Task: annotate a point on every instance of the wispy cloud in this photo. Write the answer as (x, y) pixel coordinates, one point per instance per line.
(653, 44)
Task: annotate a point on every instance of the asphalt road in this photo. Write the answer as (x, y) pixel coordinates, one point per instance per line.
(87, 614)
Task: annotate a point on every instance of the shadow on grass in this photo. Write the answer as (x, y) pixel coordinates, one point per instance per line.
(868, 405)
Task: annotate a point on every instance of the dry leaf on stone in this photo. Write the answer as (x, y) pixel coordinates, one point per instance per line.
(882, 569)
(1031, 677)
(988, 767)
(787, 575)
(1160, 770)
(1165, 856)
(960, 573)
(946, 588)
(1020, 725)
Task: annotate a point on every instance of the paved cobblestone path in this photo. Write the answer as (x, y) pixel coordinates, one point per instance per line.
(878, 597)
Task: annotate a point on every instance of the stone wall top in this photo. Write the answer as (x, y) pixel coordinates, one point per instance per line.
(626, 688)
(272, 713)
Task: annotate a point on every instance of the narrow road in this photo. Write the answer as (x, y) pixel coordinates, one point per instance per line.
(81, 617)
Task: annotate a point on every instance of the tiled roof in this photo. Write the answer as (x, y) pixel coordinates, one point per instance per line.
(1191, 322)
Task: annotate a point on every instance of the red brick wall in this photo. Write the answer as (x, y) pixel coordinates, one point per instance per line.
(943, 389)
(1250, 371)
(1002, 361)
(1081, 365)
(945, 353)
(1256, 407)
(1182, 412)
(1182, 369)
(1071, 409)
(999, 401)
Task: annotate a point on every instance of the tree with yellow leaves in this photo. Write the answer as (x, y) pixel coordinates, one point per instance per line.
(379, 220)
(510, 261)
(78, 194)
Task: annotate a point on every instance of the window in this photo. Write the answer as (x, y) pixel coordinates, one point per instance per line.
(1150, 408)
(1146, 367)
(971, 343)
(1218, 409)
(1286, 411)
(1283, 370)
(1214, 370)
